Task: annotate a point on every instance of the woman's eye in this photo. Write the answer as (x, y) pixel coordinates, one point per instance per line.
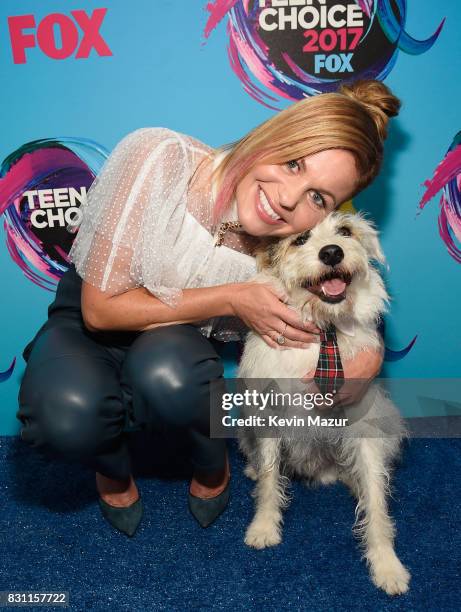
(317, 199)
(293, 164)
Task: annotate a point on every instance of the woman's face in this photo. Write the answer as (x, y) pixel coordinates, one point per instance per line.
(284, 199)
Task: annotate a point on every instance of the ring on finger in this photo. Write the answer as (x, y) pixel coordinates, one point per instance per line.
(281, 338)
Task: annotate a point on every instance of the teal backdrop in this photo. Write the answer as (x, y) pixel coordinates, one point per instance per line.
(160, 73)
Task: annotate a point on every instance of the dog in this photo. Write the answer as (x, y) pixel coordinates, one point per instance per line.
(329, 275)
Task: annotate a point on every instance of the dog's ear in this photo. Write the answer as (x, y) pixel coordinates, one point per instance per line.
(369, 238)
(265, 253)
(373, 246)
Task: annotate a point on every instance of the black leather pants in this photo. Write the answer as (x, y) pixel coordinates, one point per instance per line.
(80, 392)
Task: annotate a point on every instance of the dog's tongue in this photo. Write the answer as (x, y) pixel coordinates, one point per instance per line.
(335, 286)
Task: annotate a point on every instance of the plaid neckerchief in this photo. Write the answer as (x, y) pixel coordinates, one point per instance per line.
(329, 374)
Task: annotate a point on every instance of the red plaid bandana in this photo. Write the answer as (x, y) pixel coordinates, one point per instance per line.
(329, 374)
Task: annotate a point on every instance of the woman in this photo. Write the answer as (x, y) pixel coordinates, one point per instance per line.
(160, 266)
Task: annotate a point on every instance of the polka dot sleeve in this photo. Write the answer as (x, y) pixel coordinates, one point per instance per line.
(133, 214)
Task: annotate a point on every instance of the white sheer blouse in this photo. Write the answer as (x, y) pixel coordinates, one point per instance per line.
(143, 224)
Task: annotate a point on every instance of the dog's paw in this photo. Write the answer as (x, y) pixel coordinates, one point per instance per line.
(250, 472)
(261, 535)
(390, 575)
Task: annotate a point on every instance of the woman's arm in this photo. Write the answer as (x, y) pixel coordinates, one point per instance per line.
(358, 373)
(260, 307)
(138, 310)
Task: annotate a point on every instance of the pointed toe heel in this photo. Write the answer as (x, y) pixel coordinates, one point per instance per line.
(124, 519)
(206, 511)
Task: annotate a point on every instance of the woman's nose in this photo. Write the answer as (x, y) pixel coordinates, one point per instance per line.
(289, 195)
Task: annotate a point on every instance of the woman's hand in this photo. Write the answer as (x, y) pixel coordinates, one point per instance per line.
(261, 307)
(359, 371)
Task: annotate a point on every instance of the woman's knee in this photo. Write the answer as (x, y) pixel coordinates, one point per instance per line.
(70, 413)
(170, 372)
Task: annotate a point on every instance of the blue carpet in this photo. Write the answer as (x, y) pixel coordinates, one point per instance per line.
(53, 537)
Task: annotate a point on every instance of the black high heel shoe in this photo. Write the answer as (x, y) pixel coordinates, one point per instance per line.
(124, 519)
(206, 511)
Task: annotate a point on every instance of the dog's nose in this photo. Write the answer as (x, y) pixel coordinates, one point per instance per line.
(331, 254)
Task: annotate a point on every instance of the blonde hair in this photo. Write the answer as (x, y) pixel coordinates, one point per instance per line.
(354, 118)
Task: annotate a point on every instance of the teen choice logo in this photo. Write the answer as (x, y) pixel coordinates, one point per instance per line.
(43, 185)
(291, 49)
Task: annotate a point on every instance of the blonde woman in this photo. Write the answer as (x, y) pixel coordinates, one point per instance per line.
(159, 274)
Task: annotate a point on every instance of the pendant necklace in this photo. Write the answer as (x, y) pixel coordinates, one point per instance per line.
(223, 228)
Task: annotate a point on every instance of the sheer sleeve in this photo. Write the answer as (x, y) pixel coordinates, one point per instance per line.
(133, 214)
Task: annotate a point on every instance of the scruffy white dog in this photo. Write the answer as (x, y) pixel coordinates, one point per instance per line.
(329, 277)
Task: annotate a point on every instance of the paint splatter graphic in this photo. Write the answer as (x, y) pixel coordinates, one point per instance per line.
(42, 185)
(390, 355)
(278, 58)
(4, 376)
(447, 177)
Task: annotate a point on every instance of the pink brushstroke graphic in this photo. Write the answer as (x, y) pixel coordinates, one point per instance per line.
(448, 168)
(447, 177)
(217, 10)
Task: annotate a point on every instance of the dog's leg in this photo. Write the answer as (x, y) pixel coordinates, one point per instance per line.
(376, 527)
(247, 447)
(265, 528)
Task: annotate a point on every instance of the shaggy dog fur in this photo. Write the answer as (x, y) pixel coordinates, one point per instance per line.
(329, 277)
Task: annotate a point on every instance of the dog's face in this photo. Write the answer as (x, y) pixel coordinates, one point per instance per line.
(329, 266)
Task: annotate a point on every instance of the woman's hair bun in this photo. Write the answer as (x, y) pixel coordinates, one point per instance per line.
(377, 99)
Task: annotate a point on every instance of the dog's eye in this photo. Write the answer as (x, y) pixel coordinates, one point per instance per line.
(344, 231)
(302, 239)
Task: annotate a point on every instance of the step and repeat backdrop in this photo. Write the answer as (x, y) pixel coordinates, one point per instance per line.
(79, 76)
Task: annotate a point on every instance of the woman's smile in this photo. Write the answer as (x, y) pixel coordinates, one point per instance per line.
(288, 198)
(265, 210)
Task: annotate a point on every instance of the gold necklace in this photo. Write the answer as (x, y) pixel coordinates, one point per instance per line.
(227, 225)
